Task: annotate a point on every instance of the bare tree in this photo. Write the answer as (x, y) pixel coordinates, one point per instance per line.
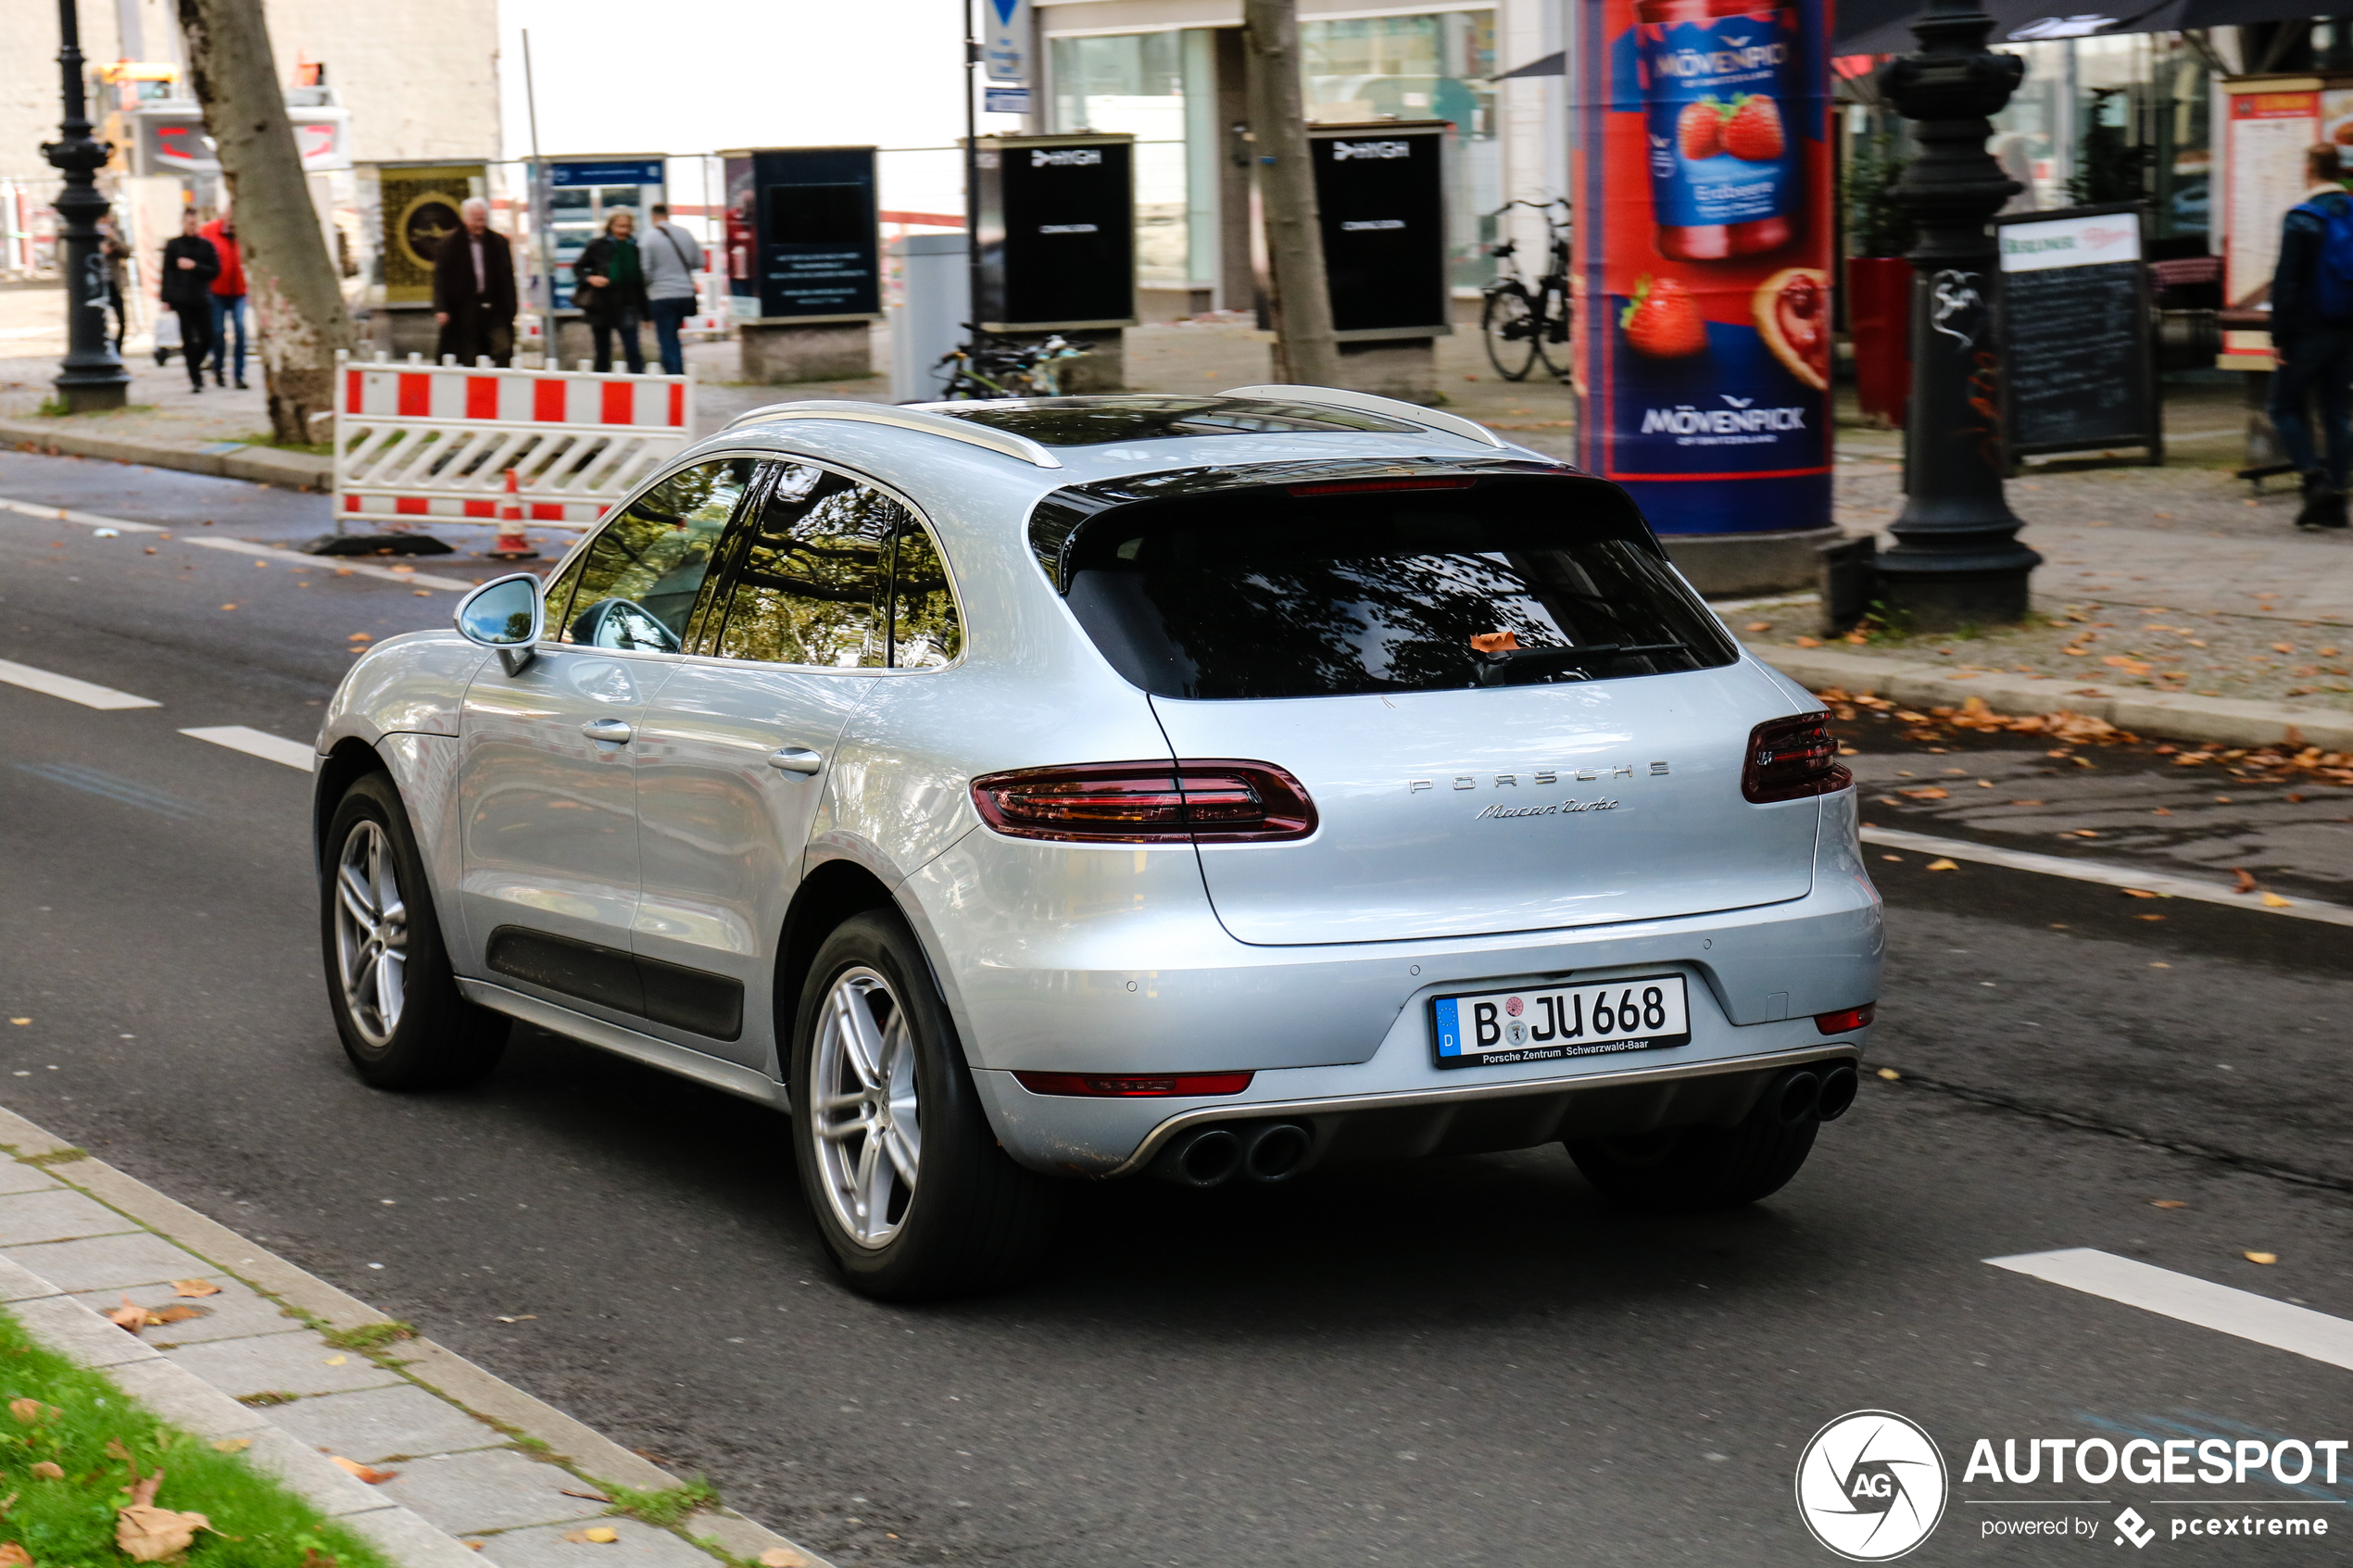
(1302, 307)
(298, 309)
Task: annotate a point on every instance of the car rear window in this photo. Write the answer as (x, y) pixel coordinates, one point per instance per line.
(1327, 591)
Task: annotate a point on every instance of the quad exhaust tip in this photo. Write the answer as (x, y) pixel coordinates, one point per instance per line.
(1262, 1151)
(1822, 1093)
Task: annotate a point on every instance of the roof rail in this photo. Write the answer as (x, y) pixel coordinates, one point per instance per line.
(972, 435)
(1428, 418)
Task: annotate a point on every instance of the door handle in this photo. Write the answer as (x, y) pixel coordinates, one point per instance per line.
(614, 730)
(795, 760)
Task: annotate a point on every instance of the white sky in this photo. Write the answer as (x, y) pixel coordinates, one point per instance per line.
(694, 76)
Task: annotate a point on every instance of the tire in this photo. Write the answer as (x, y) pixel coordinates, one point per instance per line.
(1556, 353)
(872, 1046)
(1507, 323)
(1693, 1170)
(397, 1007)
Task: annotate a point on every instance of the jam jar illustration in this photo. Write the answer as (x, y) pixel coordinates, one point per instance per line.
(1720, 77)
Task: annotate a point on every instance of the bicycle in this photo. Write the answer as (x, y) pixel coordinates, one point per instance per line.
(1519, 323)
(992, 366)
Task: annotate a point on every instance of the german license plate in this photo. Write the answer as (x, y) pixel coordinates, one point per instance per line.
(1548, 1023)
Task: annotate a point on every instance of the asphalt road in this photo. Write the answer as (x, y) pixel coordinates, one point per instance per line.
(1461, 1361)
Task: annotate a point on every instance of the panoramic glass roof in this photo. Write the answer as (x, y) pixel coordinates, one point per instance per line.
(1095, 422)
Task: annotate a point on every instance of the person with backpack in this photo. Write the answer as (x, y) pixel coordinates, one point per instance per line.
(2312, 338)
(672, 261)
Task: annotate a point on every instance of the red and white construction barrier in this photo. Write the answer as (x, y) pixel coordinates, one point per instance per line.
(419, 440)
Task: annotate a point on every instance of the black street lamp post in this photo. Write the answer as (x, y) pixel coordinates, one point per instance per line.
(93, 375)
(1957, 560)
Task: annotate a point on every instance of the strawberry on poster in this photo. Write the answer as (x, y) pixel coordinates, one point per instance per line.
(1702, 179)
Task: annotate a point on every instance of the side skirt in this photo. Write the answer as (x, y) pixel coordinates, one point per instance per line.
(745, 1083)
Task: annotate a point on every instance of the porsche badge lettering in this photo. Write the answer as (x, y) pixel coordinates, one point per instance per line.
(1541, 776)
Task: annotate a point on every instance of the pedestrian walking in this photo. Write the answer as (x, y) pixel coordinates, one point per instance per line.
(473, 290)
(190, 264)
(228, 298)
(2312, 338)
(116, 257)
(672, 261)
(610, 290)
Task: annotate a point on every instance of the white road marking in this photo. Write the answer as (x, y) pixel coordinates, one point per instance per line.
(2241, 1313)
(243, 547)
(258, 743)
(2106, 874)
(66, 686)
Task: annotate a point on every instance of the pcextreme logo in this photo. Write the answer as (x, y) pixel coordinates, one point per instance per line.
(1872, 1486)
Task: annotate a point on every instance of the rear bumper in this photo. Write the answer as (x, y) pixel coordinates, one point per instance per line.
(1400, 1106)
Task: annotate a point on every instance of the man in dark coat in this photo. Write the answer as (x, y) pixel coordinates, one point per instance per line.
(190, 264)
(2314, 347)
(473, 290)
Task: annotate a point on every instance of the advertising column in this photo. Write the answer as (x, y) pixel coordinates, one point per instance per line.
(1700, 164)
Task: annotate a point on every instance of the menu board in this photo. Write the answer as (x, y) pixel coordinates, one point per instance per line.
(2271, 125)
(2074, 332)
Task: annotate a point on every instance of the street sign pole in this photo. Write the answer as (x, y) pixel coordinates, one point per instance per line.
(972, 167)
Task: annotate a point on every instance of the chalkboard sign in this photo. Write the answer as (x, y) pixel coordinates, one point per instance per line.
(2078, 372)
(1382, 194)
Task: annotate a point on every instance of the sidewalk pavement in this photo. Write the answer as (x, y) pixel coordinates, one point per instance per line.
(483, 1472)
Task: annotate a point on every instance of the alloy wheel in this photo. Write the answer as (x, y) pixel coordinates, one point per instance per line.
(862, 1107)
(372, 934)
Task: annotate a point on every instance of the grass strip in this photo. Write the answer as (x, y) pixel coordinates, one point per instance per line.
(74, 1446)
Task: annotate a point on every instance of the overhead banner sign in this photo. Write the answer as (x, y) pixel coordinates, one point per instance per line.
(172, 139)
(1005, 53)
(1700, 167)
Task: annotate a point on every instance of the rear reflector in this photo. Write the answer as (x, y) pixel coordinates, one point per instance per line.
(1846, 1023)
(1198, 801)
(1791, 759)
(1134, 1088)
(1361, 486)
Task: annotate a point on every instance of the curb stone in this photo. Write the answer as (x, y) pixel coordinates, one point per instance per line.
(426, 1371)
(222, 460)
(2174, 715)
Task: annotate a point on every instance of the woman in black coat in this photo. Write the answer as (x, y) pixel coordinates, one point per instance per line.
(609, 288)
(189, 266)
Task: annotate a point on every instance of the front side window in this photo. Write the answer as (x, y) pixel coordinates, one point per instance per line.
(640, 578)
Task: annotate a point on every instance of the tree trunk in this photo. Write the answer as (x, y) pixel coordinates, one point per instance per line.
(297, 301)
(1300, 305)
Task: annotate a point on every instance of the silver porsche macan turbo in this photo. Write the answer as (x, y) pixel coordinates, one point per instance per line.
(1213, 788)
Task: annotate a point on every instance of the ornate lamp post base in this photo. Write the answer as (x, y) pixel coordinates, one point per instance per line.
(93, 376)
(1957, 560)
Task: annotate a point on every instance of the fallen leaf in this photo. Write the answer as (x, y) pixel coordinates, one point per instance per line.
(228, 607)
(1985, 784)
(1890, 1074)
(2136, 892)
(175, 1314)
(473, 1545)
(1898, 858)
(233, 1445)
(26, 1411)
(359, 637)
(1809, 642)
(14, 1556)
(48, 1471)
(523, 1317)
(2260, 1257)
(2160, 966)
(147, 1534)
(313, 1557)
(2026, 803)
(353, 1467)
(130, 1315)
(335, 1360)
(1760, 626)
(781, 1557)
(597, 1534)
(2246, 879)
(2273, 901)
(1930, 791)
(195, 1287)
(2166, 1203)
(1943, 865)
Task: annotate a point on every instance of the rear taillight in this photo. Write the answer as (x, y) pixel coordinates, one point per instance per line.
(1791, 759)
(1847, 1020)
(1206, 802)
(1159, 1087)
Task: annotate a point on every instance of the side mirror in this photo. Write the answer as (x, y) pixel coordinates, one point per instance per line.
(506, 616)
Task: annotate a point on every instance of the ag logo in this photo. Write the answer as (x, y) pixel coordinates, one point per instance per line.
(1871, 1486)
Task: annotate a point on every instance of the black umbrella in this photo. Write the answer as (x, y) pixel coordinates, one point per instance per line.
(1884, 27)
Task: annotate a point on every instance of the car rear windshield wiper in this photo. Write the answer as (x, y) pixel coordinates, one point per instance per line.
(1511, 667)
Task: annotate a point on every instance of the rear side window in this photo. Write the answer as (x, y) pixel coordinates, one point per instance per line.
(1276, 593)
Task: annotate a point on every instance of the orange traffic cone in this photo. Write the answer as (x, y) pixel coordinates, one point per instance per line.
(512, 543)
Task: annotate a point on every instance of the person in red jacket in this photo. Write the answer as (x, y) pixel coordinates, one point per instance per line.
(228, 297)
